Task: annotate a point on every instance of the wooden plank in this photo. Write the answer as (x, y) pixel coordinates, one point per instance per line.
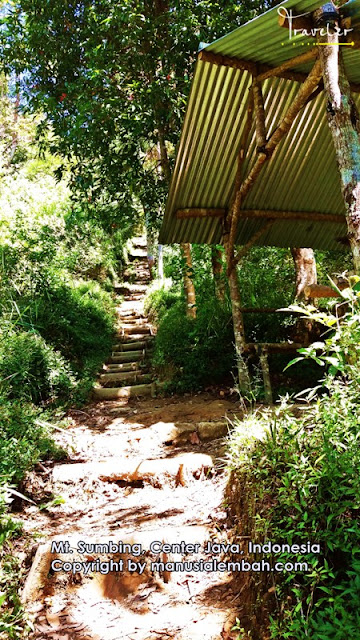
(184, 214)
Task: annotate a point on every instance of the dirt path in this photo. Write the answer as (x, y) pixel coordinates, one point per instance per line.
(142, 469)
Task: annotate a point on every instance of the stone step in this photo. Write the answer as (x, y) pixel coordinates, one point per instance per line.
(101, 393)
(109, 380)
(134, 337)
(139, 241)
(138, 254)
(135, 321)
(129, 346)
(130, 356)
(130, 288)
(127, 330)
(121, 367)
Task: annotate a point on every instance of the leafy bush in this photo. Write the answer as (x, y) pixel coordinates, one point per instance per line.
(194, 353)
(305, 483)
(32, 370)
(158, 302)
(24, 439)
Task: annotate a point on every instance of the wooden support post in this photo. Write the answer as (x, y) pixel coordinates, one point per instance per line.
(188, 281)
(305, 270)
(218, 273)
(259, 115)
(344, 123)
(239, 332)
(243, 144)
(253, 240)
(264, 362)
(293, 62)
(282, 129)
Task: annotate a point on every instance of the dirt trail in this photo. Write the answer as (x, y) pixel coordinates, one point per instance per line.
(142, 469)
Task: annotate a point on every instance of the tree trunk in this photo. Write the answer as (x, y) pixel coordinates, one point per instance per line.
(218, 273)
(305, 277)
(343, 119)
(239, 332)
(305, 271)
(185, 247)
(188, 281)
(160, 263)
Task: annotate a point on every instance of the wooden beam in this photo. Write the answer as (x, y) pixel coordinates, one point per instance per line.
(226, 61)
(275, 347)
(243, 147)
(253, 240)
(248, 65)
(289, 64)
(259, 114)
(311, 216)
(321, 291)
(282, 129)
(184, 214)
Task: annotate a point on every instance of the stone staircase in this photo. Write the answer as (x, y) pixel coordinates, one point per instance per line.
(126, 373)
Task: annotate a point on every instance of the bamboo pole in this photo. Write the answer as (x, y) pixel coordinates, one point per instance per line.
(312, 216)
(264, 363)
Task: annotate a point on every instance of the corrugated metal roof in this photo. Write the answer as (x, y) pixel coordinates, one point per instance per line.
(301, 176)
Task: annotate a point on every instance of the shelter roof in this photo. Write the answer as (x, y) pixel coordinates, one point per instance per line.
(301, 180)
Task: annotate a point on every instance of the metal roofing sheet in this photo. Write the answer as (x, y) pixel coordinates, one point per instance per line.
(301, 176)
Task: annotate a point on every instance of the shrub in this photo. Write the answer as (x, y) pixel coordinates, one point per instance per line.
(78, 319)
(195, 352)
(303, 483)
(32, 370)
(158, 302)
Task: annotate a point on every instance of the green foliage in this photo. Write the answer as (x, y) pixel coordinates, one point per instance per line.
(158, 302)
(194, 353)
(306, 486)
(117, 89)
(32, 370)
(23, 439)
(12, 621)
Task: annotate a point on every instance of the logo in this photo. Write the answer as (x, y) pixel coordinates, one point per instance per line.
(311, 31)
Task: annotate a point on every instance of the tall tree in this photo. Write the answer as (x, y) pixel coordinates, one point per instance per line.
(344, 122)
(305, 270)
